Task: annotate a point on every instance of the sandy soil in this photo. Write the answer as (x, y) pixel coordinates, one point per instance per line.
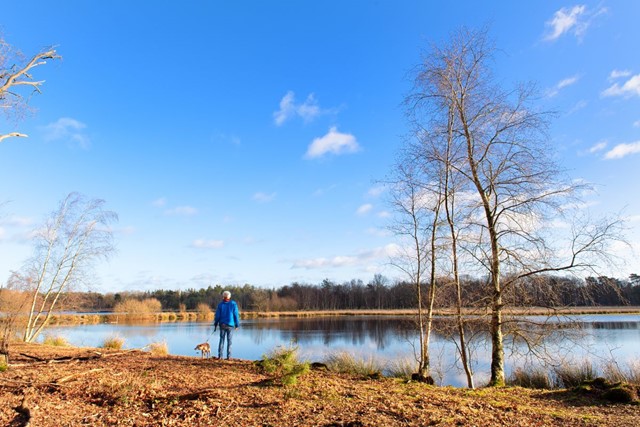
(56, 386)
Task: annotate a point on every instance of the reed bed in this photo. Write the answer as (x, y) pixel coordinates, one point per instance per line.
(574, 375)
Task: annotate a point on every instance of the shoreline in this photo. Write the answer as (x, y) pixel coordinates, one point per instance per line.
(80, 318)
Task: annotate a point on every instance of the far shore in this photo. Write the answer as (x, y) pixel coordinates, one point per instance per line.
(171, 316)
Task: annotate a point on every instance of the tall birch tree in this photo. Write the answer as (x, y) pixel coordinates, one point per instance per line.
(508, 164)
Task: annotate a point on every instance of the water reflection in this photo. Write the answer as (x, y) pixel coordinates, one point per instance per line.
(356, 331)
(386, 338)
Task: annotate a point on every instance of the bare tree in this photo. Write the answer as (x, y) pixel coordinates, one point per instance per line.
(17, 82)
(75, 236)
(418, 205)
(507, 164)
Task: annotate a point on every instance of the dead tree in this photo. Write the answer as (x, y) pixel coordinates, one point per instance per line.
(17, 83)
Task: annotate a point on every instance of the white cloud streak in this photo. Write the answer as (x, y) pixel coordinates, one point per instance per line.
(333, 142)
(182, 211)
(207, 244)
(562, 84)
(159, 203)
(289, 109)
(575, 20)
(364, 209)
(361, 258)
(598, 147)
(264, 197)
(67, 129)
(616, 74)
(629, 88)
(623, 150)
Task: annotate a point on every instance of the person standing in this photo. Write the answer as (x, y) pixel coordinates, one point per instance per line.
(228, 318)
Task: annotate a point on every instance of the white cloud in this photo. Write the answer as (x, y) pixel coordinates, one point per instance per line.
(575, 20)
(636, 123)
(333, 142)
(616, 74)
(623, 150)
(562, 84)
(384, 214)
(308, 110)
(378, 232)
(633, 218)
(159, 203)
(264, 197)
(376, 191)
(207, 244)
(598, 147)
(322, 191)
(364, 209)
(567, 82)
(578, 106)
(360, 258)
(182, 211)
(67, 129)
(17, 221)
(630, 88)
(125, 231)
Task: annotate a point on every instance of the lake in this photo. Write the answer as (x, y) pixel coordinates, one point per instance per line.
(386, 339)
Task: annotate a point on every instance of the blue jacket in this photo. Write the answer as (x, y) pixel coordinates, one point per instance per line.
(227, 313)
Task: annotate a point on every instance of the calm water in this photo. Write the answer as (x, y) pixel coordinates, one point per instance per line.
(386, 339)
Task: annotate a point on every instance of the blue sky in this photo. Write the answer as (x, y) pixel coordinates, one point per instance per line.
(242, 142)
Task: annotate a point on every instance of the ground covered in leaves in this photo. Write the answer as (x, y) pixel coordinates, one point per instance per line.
(56, 386)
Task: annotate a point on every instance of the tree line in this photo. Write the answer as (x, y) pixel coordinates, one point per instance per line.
(378, 294)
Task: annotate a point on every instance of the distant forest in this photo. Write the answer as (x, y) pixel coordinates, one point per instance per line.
(544, 291)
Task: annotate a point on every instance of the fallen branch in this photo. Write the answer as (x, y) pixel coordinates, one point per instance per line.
(95, 355)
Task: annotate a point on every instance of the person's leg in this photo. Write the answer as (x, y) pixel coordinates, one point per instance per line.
(229, 340)
(221, 343)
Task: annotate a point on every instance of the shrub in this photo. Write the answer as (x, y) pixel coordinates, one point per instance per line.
(134, 307)
(283, 365)
(203, 309)
(57, 341)
(344, 362)
(115, 343)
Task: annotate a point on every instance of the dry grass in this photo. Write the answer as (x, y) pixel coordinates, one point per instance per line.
(401, 368)
(56, 341)
(613, 372)
(158, 348)
(114, 343)
(346, 363)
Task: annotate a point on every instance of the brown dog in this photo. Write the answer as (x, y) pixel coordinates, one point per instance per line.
(205, 348)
